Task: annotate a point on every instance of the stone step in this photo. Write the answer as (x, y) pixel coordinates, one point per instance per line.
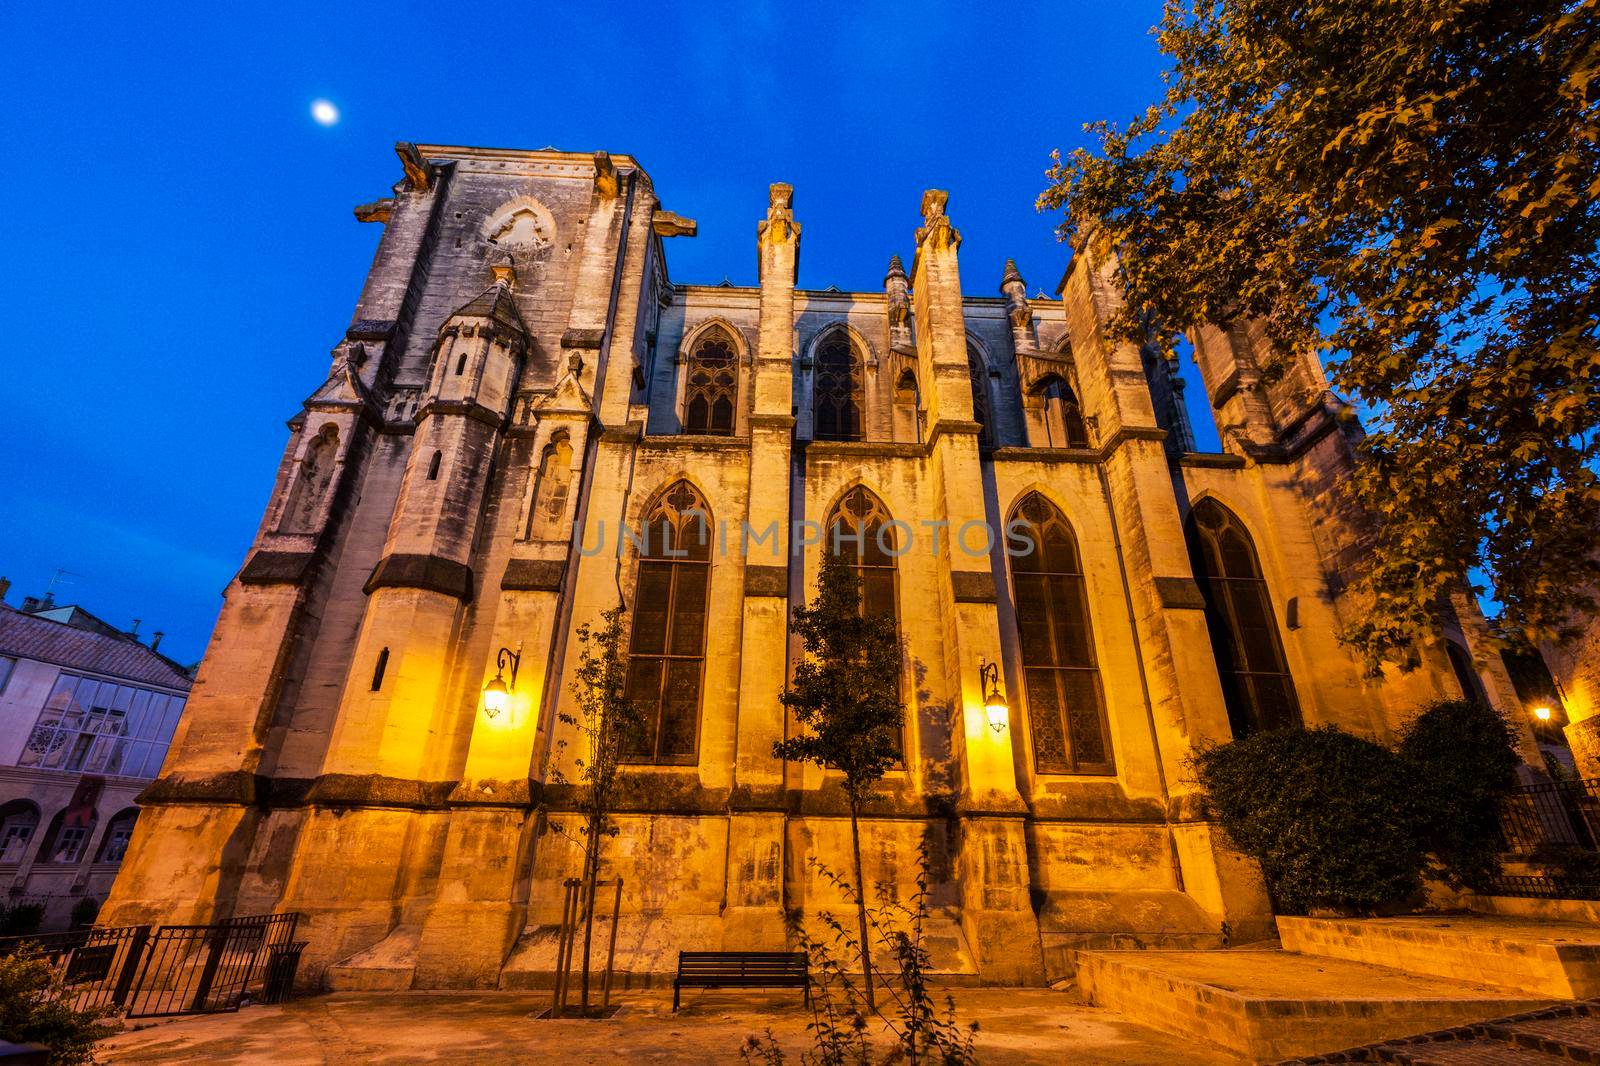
(1272, 1005)
(1557, 960)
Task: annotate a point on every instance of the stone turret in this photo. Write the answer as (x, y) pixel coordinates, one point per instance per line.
(898, 290)
(1015, 290)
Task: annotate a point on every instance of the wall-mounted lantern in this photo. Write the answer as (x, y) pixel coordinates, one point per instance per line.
(497, 692)
(994, 701)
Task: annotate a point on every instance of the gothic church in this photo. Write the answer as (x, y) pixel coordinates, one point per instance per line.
(523, 386)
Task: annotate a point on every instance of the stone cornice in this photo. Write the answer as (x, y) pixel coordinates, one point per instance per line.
(465, 408)
(432, 573)
(693, 442)
(667, 790)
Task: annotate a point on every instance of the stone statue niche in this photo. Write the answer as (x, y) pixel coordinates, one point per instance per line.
(311, 484)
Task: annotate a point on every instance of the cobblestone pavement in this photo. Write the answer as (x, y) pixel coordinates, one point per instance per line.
(1566, 1032)
(1016, 1026)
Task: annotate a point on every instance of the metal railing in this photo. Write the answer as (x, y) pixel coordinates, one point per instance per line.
(1552, 814)
(1543, 887)
(172, 969)
(196, 969)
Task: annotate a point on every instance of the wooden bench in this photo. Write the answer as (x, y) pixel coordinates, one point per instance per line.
(742, 969)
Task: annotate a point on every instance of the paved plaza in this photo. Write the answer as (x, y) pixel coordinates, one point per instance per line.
(1016, 1027)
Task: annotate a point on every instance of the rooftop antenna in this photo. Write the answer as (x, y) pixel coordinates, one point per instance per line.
(50, 589)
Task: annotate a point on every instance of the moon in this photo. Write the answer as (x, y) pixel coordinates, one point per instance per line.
(324, 112)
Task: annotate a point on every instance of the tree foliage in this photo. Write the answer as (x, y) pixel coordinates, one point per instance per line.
(845, 693)
(37, 1007)
(846, 690)
(1411, 187)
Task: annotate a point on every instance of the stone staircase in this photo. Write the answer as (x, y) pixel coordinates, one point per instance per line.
(1345, 983)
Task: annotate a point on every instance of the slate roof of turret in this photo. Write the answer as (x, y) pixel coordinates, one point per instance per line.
(495, 303)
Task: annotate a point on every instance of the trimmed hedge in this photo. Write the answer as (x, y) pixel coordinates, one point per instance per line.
(1326, 814)
(1339, 822)
(1463, 759)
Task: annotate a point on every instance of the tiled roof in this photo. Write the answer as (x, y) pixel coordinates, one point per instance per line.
(26, 637)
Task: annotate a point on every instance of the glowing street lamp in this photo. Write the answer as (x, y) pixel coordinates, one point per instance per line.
(1542, 713)
(497, 692)
(994, 701)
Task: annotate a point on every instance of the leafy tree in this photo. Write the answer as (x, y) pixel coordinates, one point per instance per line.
(846, 694)
(1413, 187)
(612, 725)
(36, 1006)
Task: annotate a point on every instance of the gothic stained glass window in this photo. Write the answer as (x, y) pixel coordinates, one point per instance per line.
(858, 530)
(981, 412)
(1061, 677)
(1256, 685)
(836, 390)
(667, 647)
(712, 386)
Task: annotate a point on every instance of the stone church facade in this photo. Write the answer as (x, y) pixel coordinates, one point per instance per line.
(523, 391)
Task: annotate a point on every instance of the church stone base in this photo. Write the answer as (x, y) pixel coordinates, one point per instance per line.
(470, 897)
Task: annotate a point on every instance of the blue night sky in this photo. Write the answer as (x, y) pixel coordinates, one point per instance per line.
(177, 252)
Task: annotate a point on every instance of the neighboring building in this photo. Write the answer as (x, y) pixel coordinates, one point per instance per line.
(522, 379)
(86, 714)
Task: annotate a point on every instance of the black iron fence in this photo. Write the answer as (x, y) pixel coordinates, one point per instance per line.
(1555, 827)
(1552, 814)
(173, 969)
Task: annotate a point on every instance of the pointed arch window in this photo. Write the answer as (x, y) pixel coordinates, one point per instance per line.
(1063, 415)
(711, 388)
(1061, 675)
(859, 531)
(667, 647)
(836, 391)
(982, 413)
(1256, 685)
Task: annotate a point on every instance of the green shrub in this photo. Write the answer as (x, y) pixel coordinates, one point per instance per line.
(1463, 764)
(36, 1008)
(21, 919)
(84, 912)
(1329, 816)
